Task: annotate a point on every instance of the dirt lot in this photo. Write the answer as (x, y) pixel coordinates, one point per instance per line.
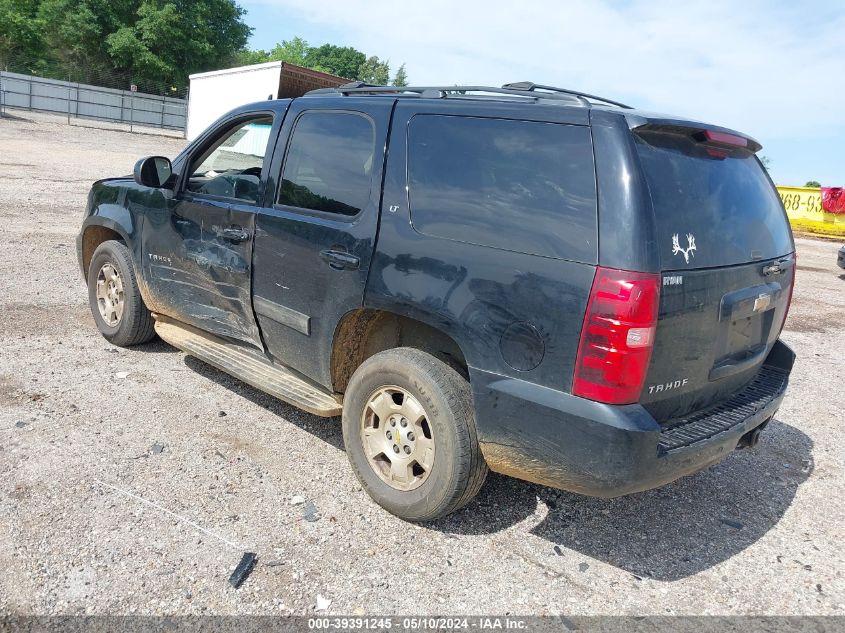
(84, 425)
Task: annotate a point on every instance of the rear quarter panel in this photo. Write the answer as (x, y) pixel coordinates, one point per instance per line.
(627, 238)
(486, 299)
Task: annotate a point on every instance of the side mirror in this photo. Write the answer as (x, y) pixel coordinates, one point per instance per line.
(153, 171)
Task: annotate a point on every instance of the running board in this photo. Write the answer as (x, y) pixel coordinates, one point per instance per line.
(250, 367)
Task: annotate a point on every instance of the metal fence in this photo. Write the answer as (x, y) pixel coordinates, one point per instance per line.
(84, 101)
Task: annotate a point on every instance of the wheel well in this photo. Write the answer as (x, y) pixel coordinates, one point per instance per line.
(363, 333)
(91, 239)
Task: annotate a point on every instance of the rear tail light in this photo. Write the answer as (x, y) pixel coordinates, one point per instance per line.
(617, 336)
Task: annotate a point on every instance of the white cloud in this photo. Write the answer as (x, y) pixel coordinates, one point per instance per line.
(771, 71)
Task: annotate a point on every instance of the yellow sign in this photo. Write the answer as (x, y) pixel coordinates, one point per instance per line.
(802, 202)
(804, 207)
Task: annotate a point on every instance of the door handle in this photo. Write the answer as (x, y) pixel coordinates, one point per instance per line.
(235, 234)
(340, 260)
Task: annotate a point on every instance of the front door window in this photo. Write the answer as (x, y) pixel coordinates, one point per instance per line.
(231, 167)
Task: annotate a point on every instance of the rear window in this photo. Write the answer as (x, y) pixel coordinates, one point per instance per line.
(515, 185)
(712, 208)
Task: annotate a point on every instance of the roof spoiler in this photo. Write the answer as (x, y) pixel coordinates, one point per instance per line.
(701, 133)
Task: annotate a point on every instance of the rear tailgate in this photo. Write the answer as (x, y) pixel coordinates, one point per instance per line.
(727, 262)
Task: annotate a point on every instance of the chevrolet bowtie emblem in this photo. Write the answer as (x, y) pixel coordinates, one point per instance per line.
(762, 302)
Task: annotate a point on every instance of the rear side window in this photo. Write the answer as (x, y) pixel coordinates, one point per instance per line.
(515, 185)
(712, 207)
(329, 163)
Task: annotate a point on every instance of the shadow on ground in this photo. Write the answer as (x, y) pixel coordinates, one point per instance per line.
(156, 346)
(12, 117)
(326, 429)
(667, 534)
(670, 533)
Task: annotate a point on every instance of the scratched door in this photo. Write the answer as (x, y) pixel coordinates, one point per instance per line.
(200, 267)
(198, 255)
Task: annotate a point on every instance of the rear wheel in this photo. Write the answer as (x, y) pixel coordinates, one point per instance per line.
(114, 297)
(409, 431)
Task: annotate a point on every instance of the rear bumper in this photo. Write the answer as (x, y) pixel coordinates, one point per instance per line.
(559, 440)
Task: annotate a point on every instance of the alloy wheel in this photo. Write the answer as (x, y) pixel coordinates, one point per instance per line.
(110, 297)
(397, 438)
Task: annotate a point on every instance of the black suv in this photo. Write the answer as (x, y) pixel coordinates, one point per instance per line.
(540, 282)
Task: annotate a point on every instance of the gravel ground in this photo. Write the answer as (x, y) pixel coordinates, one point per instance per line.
(131, 481)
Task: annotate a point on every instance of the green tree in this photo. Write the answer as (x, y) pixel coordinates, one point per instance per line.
(248, 57)
(343, 61)
(75, 32)
(766, 162)
(374, 71)
(293, 51)
(20, 30)
(173, 38)
(157, 42)
(401, 77)
(813, 183)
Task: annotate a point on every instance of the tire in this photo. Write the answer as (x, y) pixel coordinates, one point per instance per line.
(456, 470)
(134, 323)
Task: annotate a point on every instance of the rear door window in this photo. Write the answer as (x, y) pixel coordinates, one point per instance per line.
(515, 185)
(329, 164)
(712, 208)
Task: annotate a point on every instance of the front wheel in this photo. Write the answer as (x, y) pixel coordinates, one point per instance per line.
(114, 297)
(409, 431)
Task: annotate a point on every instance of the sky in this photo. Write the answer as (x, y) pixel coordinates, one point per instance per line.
(774, 70)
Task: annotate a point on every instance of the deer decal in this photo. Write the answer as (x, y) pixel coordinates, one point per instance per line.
(689, 250)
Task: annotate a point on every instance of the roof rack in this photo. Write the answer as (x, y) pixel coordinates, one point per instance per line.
(518, 89)
(531, 87)
(441, 92)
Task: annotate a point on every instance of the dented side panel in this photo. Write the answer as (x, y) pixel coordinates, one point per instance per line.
(195, 273)
(197, 249)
